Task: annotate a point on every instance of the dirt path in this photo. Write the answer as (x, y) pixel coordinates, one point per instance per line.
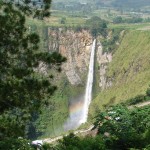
(144, 28)
(49, 140)
(140, 105)
(143, 104)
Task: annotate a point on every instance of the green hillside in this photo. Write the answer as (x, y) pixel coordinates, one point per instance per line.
(129, 70)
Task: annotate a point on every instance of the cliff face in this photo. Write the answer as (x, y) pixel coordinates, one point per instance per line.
(103, 59)
(76, 47)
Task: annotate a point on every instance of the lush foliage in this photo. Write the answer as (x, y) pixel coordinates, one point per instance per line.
(111, 43)
(122, 128)
(118, 129)
(29, 7)
(23, 88)
(127, 20)
(139, 98)
(97, 26)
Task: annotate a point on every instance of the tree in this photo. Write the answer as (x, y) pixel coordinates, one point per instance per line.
(30, 7)
(23, 89)
(63, 20)
(117, 20)
(148, 92)
(97, 26)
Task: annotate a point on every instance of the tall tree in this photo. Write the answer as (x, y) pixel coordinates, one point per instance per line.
(23, 89)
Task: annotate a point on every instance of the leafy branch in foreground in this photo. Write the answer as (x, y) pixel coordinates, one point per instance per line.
(28, 7)
(22, 89)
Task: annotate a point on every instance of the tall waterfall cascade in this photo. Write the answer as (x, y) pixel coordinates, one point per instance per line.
(79, 110)
(89, 85)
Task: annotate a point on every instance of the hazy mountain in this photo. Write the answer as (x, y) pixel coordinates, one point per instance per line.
(112, 3)
(131, 3)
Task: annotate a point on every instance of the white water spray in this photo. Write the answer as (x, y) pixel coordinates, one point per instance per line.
(89, 85)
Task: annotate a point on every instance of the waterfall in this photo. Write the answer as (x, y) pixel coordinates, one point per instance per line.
(79, 109)
(89, 85)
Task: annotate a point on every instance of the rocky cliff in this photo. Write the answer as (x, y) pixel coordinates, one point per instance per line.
(76, 47)
(103, 60)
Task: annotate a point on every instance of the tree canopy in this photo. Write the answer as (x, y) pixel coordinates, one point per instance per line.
(23, 88)
(97, 26)
(125, 128)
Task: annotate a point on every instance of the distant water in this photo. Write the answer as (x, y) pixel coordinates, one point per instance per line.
(79, 109)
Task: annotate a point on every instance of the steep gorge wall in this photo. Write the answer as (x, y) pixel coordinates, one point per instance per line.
(103, 60)
(76, 47)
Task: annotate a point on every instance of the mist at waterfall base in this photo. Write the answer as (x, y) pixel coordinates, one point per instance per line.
(79, 106)
(75, 110)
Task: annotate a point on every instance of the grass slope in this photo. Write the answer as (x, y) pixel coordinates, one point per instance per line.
(130, 71)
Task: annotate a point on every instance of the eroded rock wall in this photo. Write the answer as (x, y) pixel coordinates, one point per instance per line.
(103, 59)
(76, 47)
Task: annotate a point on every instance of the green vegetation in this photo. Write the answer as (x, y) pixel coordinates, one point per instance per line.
(117, 11)
(23, 90)
(56, 18)
(139, 99)
(52, 118)
(125, 26)
(50, 121)
(97, 26)
(122, 128)
(119, 128)
(128, 20)
(129, 71)
(111, 43)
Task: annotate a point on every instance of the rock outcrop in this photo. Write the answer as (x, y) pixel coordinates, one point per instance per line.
(76, 47)
(103, 59)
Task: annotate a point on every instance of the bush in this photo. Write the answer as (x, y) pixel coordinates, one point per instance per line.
(148, 92)
(109, 45)
(136, 100)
